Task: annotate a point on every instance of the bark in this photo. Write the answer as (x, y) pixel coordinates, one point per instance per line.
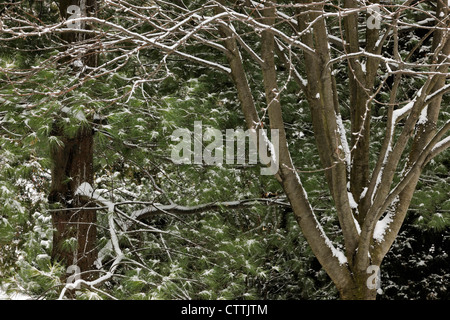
(358, 289)
(322, 98)
(72, 164)
(361, 82)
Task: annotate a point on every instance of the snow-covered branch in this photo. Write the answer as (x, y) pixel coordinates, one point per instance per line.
(156, 209)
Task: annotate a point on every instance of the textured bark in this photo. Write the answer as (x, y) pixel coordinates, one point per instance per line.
(72, 162)
(322, 98)
(358, 290)
(361, 82)
(72, 165)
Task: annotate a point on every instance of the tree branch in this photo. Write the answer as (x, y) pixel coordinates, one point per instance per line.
(156, 209)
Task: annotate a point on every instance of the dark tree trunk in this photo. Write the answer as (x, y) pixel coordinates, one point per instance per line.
(75, 222)
(75, 232)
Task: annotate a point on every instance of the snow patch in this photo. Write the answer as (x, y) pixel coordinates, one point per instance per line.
(352, 201)
(381, 227)
(395, 116)
(441, 143)
(363, 193)
(344, 141)
(402, 111)
(363, 67)
(377, 44)
(357, 226)
(423, 118)
(78, 63)
(335, 251)
(85, 189)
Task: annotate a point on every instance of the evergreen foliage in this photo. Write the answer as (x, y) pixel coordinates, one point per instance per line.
(256, 252)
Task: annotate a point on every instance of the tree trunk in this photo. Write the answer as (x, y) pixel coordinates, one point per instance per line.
(74, 238)
(358, 291)
(75, 232)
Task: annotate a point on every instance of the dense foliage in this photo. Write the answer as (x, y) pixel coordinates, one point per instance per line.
(256, 252)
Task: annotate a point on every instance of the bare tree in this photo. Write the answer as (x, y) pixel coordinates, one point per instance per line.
(311, 40)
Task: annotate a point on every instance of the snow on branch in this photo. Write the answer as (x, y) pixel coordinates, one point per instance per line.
(86, 190)
(337, 253)
(438, 93)
(155, 209)
(441, 145)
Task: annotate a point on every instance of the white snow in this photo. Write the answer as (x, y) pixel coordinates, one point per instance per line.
(78, 63)
(357, 226)
(437, 92)
(304, 81)
(377, 44)
(85, 189)
(352, 201)
(344, 141)
(80, 116)
(45, 243)
(5, 190)
(42, 256)
(335, 251)
(102, 254)
(400, 112)
(423, 116)
(363, 193)
(441, 143)
(395, 116)
(363, 67)
(381, 227)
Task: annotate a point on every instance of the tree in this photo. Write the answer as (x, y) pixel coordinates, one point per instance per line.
(338, 54)
(74, 220)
